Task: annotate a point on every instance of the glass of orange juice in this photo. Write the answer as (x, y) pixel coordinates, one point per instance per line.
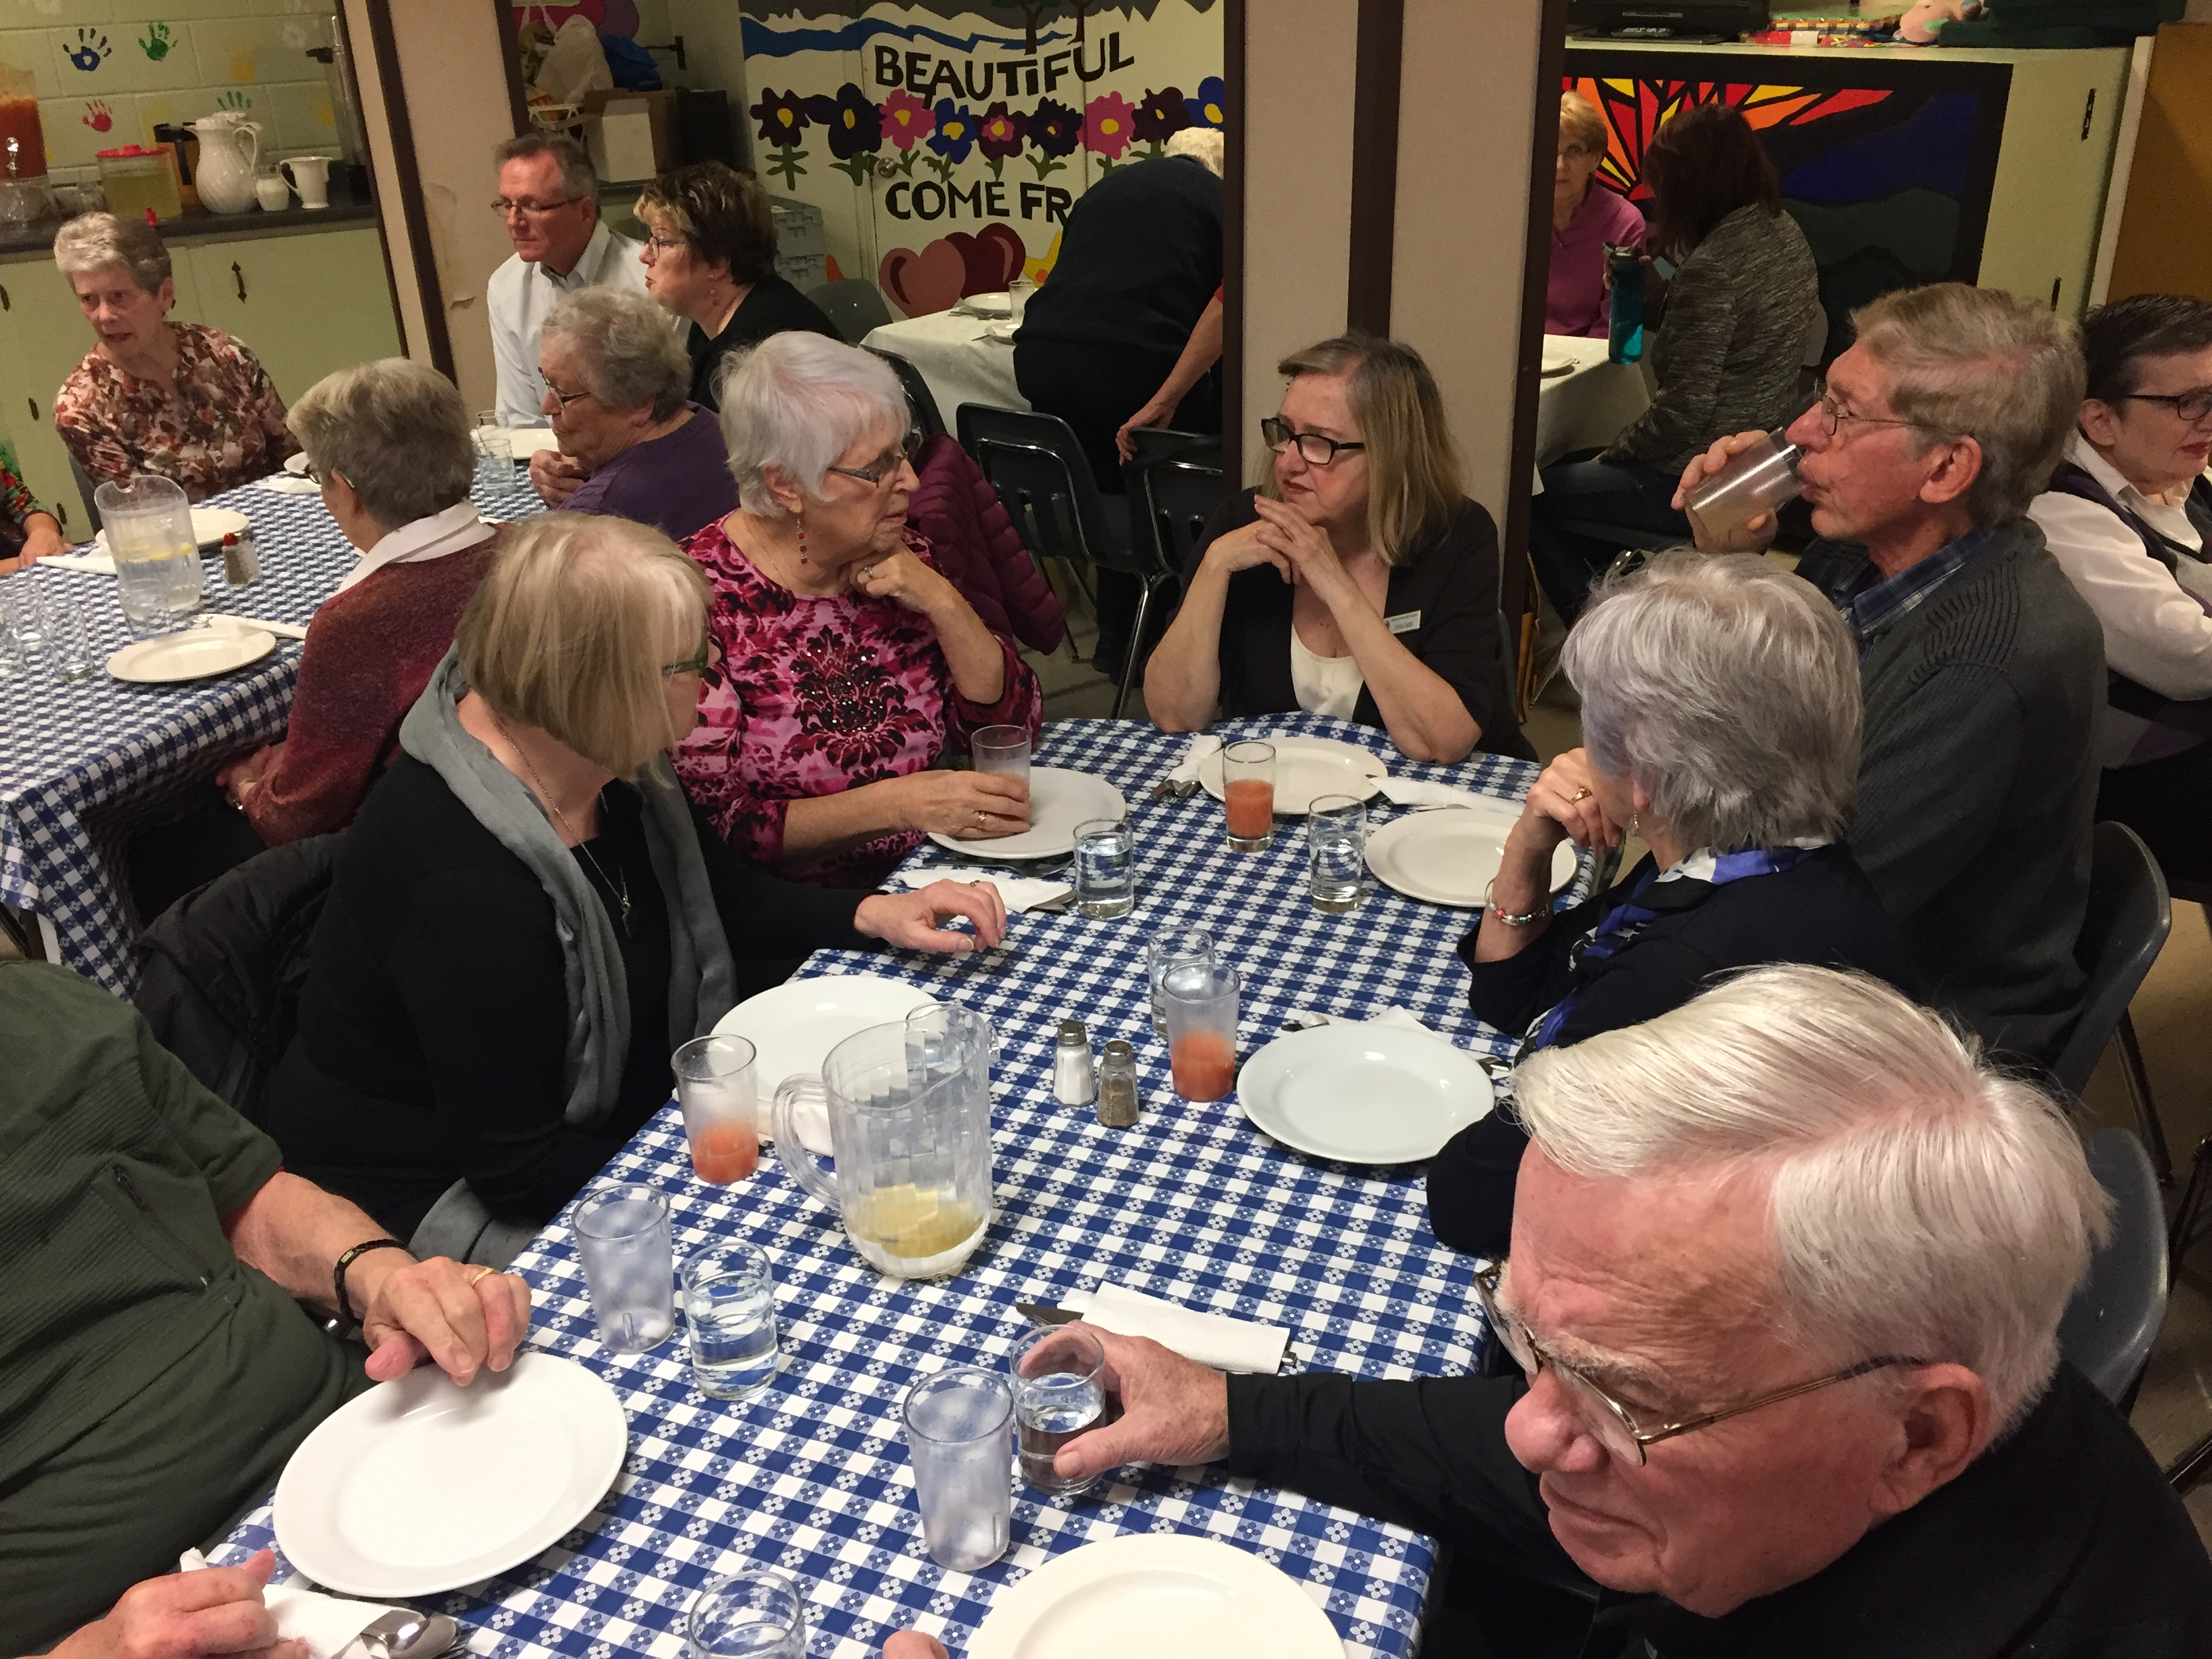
(721, 1116)
(1248, 792)
(1201, 1012)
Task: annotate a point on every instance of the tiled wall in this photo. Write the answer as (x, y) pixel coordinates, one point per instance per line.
(108, 71)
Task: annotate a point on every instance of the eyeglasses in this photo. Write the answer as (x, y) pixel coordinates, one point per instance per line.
(1613, 1423)
(660, 244)
(1316, 450)
(508, 210)
(2190, 406)
(888, 464)
(321, 476)
(563, 398)
(1828, 407)
(696, 663)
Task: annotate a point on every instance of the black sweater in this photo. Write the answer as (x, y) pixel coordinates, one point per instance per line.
(434, 1018)
(1139, 258)
(774, 306)
(1451, 585)
(1820, 911)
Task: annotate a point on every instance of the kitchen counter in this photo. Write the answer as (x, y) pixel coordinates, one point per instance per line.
(21, 242)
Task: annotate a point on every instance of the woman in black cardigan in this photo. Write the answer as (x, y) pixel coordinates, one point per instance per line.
(527, 919)
(1358, 581)
(1720, 709)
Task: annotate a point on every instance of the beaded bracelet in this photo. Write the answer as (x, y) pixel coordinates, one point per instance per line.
(1506, 916)
(348, 1321)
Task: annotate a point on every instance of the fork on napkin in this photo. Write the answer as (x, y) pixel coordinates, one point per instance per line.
(326, 1623)
(1215, 1340)
(1020, 892)
(1184, 779)
(1412, 791)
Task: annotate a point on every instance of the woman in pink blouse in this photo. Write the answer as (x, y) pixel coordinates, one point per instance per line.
(849, 667)
(1585, 217)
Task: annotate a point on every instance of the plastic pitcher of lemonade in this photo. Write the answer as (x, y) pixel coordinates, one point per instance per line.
(909, 1108)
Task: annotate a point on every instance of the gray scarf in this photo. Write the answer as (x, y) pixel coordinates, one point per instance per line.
(701, 975)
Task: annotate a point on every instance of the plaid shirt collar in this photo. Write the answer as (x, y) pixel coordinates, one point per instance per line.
(1871, 602)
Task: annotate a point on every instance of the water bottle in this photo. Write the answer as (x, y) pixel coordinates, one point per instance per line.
(1624, 339)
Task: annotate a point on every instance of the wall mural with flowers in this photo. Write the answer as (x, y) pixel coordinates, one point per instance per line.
(944, 143)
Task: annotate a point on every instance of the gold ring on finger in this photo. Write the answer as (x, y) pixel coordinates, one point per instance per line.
(1582, 794)
(481, 1277)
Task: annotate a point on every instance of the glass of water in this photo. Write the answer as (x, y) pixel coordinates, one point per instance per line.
(729, 1304)
(494, 454)
(622, 1239)
(1177, 948)
(1336, 853)
(959, 1432)
(757, 1614)
(69, 647)
(23, 608)
(1105, 868)
(1059, 1391)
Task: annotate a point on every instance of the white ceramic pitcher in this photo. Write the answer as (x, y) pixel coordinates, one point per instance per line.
(230, 154)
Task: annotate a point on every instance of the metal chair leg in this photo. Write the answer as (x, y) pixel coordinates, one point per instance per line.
(1130, 658)
(2187, 1469)
(2138, 1081)
(2193, 1197)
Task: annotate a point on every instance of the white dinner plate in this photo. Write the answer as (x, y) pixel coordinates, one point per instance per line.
(192, 653)
(1307, 768)
(1165, 1595)
(794, 1026)
(296, 463)
(524, 441)
(209, 525)
(420, 1485)
(1363, 1094)
(1448, 856)
(1000, 304)
(1058, 800)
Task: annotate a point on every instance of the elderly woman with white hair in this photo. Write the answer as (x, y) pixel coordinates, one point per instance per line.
(618, 383)
(179, 400)
(850, 666)
(1720, 714)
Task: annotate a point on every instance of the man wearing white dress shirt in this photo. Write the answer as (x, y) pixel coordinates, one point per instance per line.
(549, 201)
(2127, 517)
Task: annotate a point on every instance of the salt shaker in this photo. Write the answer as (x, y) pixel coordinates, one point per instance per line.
(241, 564)
(1073, 1081)
(1117, 1086)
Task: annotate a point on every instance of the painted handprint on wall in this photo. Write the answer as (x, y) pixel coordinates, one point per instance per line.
(90, 50)
(237, 101)
(155, 42)
(97, 116)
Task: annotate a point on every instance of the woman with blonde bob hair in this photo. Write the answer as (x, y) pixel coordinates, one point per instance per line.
(1356, 580)
(528, 917)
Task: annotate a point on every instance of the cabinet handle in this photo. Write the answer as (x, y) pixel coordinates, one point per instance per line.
(32, 403)
(239, 277)
(5, 303)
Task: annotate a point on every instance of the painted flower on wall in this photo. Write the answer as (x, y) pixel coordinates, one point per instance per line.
(1001, 133)
(1055, 128)
(855, 127)
(1211, 108)
(1161, 116)
(782, 116)
(955, 132)
(905, 118)
(1108, 124)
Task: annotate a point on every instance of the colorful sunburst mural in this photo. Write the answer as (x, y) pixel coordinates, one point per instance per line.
(1635, 110)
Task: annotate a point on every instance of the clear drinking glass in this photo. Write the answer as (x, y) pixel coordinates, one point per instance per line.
(1059, 1391)
(959, 1424)
(1002, 752)
(68, 647)
(629, 1268)
(1201, 1006)
(23, 608)
(148, 526)
(1756, 480)
(729, 1304)
(1172, 949)
(1247, 794)
(757, 1614)
(715, 1085)
(494, 454)
(1336, 853)
(11, 656)
(1105, 868)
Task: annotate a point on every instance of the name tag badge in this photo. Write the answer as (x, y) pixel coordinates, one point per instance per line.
(1404, 622)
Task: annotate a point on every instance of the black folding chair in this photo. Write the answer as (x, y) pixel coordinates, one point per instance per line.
(1045, 484)
(854, 304)
(2122, 934)
(1174, 483)
(2115, 1315)
(920, 402)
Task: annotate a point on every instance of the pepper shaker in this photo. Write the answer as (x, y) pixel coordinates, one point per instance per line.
(1117, 1086)
(1073, 1083)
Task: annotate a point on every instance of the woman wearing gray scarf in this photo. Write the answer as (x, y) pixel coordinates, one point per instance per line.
(527, 920)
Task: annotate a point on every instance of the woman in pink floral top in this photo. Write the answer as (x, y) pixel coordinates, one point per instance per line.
(187, 402)
(849, 667)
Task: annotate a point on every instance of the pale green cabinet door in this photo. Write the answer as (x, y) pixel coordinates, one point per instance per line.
(43, 337)
(306, 305)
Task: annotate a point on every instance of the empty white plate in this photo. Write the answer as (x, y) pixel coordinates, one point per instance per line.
(1164, 1595)
(794, 1026)
(1307, 768)
(419, 1486)
(1364, 1094)
(1058, 800)
(209, 525)
(296, 463)
(1448, 856)
(192, 653)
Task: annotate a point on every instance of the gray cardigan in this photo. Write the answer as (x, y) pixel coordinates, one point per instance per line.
(1731, 344)
(1978, 782)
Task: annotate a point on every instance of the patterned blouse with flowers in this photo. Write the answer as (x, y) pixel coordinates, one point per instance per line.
(220, 425)
(17, 501)
(815, 695)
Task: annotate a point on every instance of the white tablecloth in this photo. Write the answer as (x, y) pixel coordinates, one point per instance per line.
(1588, 407)
(962, 364)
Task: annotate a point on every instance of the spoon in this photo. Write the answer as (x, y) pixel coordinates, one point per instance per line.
(404, 1633)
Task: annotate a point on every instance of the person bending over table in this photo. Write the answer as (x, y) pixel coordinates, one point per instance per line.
(157, 1368)
(389, 443)
(1726, 353)
(1356, 581)
(850, 666)
(28, 530)
(1982, 671)
(710, 257)
(1720, 718)
(1787, 1272)
(630, 444)
(2127, 517)
(527, 919)
(1577, 300)
(179, 400)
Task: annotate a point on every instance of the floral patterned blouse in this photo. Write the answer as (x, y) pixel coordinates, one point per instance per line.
(815, 695)
(220, 426)
(17, 501)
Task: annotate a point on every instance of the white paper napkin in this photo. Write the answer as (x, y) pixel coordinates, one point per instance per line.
(1400, 1016)
(1215, 1340)
(1412, 791)
(326, 1623)
(287, 484)
(1303, 1018)
(1202, 747)
(1019, 892)
(92, 564)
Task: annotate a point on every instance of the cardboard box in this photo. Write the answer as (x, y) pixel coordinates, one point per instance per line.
(631, 135)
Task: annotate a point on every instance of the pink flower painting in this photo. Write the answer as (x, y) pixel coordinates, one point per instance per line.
(1109, 125)
(907, 119)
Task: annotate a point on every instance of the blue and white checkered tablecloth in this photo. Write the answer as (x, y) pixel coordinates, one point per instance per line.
(811, 1476)
(83, 766)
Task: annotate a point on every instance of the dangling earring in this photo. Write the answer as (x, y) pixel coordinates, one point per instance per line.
(1634, 819)
(802, 543)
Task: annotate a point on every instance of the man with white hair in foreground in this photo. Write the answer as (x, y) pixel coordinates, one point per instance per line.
(1787, 1271)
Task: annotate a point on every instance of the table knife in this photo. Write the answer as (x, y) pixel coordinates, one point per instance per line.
(1043, 1313)
(281, 630)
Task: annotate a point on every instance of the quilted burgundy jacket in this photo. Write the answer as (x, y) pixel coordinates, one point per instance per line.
(977, 546)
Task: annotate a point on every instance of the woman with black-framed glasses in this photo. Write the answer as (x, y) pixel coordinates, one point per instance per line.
(1357, 581)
